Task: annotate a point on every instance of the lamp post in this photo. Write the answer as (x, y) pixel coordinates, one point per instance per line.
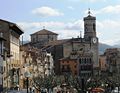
(27, 75)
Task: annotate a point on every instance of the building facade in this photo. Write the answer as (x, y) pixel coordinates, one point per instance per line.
(85, 66)
(78, 64)
(43, 37)
(113, 60)
(39, 63)
(68, 66)
(2, 63)
(103, 63)
(11, 32)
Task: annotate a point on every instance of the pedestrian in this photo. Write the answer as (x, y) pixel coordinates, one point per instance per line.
(30, 90)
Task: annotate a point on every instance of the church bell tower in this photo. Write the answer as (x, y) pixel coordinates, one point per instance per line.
(89, 26)
(90, 37)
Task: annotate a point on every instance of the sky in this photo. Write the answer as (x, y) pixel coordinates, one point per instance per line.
(64, 17)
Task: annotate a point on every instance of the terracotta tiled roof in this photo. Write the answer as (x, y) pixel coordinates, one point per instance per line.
(45, 32)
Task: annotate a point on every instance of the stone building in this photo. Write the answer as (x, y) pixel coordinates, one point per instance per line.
(26, 56)
(2, 63)
(113, 60)
(77, 64)
(43, 37)
(102, 63)
(37, 62)
(88, 44)
(63, 48)
(11, 32)
(85, 66)
(68, 66)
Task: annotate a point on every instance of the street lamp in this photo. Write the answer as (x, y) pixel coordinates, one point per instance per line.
(27, 75)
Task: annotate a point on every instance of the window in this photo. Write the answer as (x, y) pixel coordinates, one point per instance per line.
(81, 67)
(90, 60)
(33, 40)
(94, 27)
(75, 66)
(14, 40)
(75, 72)
(68, 67)
(86, 28)
(80, 61)
(63, 67)
(84, 60)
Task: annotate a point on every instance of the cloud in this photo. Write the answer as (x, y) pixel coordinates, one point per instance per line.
(91, 1)
(96, 1)
(70, 7)
(107, 30)
(31, 27)
(109, 9)
(66, 34)
(38, 25)
(76, 25)
(46, 11)
(65, 30)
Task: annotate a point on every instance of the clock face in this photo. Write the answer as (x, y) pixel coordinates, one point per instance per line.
(94, 40)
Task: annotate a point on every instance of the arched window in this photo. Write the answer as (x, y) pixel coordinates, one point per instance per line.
(94, 27)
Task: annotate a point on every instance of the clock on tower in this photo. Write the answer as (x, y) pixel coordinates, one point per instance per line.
(94, 40)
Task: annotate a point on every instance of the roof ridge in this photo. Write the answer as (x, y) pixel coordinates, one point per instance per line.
(44, 32)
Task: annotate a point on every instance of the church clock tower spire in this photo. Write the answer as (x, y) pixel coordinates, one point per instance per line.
(89, 26)
(89, 11)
